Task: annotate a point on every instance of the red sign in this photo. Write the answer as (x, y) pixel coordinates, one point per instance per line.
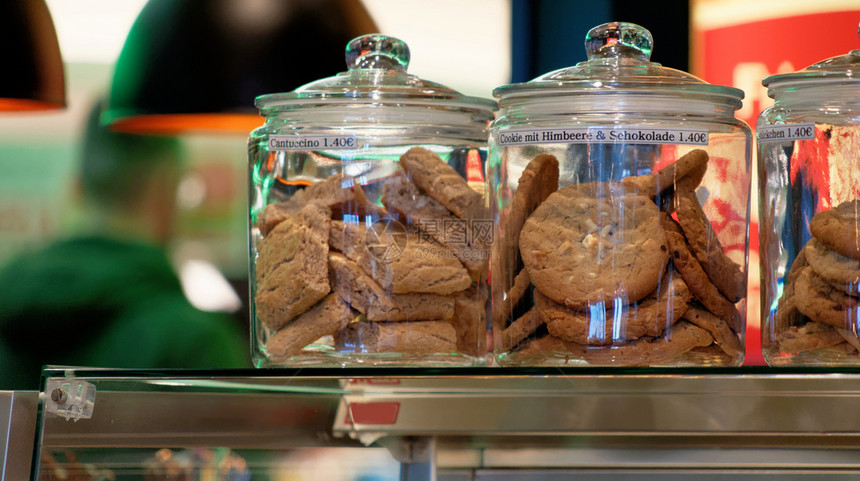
(376, 413)
(742, 54)
(736, 45)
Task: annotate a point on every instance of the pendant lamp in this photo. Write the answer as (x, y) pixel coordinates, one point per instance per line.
(197, 65)
(32, 77)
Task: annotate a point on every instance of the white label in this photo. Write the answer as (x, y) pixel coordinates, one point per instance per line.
(604, 135)
(312, 142)
(786, 132)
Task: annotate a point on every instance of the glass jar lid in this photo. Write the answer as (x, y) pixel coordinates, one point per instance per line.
(376, 75)
(840, 69)
(618, 61)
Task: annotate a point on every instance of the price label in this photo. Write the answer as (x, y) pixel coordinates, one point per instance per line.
(786, 132)
(604, 135)
(312, 142)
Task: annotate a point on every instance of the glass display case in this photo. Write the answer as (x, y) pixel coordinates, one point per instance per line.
(808, 153)
(620, 190)
(369, 238)
(449, 424)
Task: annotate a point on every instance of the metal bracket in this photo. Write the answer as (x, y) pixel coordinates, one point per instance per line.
(417, 456)
(70, 398)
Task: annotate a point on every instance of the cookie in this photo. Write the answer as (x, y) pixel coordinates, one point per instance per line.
(839, 228)
(468, 240)
(852, 289)
(821, 302)
(787, 314)
(440, 181)
(470, 320)
(503, 310)
(691, 166)
(580, 248)
(727, 275)
(367, 297)
(841, 271)
(291, 269)
(799, 263)
(723, 334)
(415, 337)
(538, 180)
(850, 337)
(808, 337)
(400, 261)
(325, 318)
(603, 325)
(520, 329)
(340, 193)
(712, 356)
(786, 310)
(545, 350)
(697, 280)
(680, 338)
(661, 309)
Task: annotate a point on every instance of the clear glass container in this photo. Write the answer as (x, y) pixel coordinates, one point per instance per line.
(809, 179)
(620, 190)
(369, 233)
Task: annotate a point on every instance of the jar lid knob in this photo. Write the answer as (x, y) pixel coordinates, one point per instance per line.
(377, 51)
(619, 39)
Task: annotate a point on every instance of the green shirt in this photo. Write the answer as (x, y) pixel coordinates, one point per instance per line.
(98, 302)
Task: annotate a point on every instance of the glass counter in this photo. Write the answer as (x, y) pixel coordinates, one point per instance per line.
(450, 423)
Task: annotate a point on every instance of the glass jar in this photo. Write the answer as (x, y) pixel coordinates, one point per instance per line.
(809, 180)
(620, 189)
(369, 237)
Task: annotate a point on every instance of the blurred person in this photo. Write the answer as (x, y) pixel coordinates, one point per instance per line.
(109, 296)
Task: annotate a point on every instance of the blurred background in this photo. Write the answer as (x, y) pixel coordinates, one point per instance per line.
(472, 46)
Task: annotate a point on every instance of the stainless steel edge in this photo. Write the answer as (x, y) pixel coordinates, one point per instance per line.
(676, 422)
(622, 405)
(18, 413)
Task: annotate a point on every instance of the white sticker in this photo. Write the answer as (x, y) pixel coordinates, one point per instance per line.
(312, 142)
(604, 135)
(786, 132)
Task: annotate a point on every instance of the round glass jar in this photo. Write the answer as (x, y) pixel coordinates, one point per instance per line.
(368, 226)
(620, 189)
(809, 214)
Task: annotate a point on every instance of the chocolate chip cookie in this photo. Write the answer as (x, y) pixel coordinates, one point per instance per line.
(808, 337)
(693, 165)
(839, 228)
(520, 329)
(696, 278)
(504, 310)
(724, 336)
(536, 183)
(821, 302)
(835, 268)
(724, 273)
(580, 248)
(604, 324)
(680, 338)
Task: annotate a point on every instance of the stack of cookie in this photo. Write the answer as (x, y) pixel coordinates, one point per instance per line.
(598, 272)
(819, 304)
(407, 277)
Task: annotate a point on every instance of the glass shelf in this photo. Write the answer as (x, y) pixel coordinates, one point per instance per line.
(473, 422)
